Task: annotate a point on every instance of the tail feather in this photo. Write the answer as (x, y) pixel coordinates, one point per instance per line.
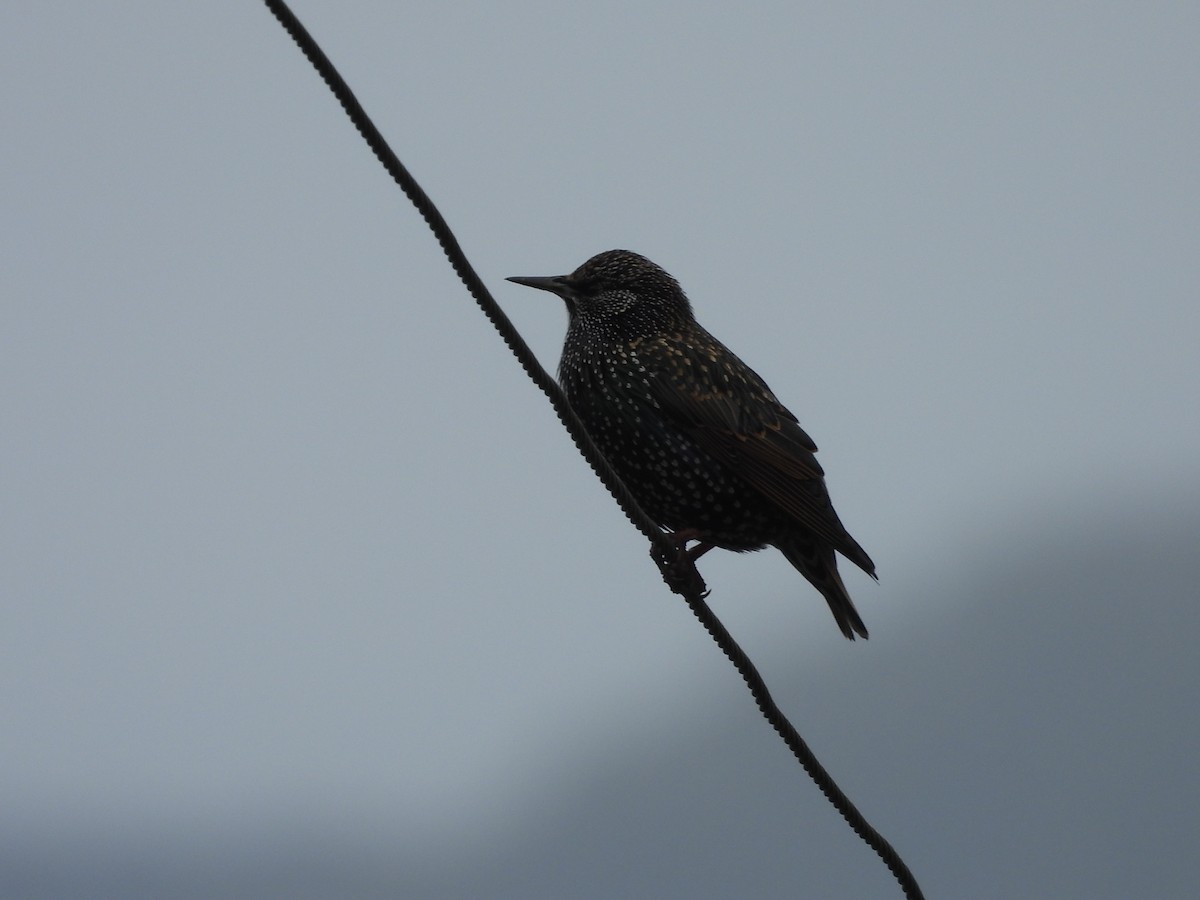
(818, 563)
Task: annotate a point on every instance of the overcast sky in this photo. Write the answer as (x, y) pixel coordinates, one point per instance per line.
(305, 592)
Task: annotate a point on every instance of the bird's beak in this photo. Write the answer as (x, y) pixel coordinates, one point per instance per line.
(555, 284)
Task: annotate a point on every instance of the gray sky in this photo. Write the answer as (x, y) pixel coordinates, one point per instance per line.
(306, 592)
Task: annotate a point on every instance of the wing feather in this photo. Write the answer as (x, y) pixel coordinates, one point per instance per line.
(729, 411)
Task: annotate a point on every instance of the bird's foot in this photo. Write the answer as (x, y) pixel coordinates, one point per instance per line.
(678, 564)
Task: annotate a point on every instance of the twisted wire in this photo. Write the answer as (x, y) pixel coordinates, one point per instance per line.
(663, 549)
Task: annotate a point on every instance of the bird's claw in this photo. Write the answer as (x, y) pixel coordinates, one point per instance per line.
(678, 568)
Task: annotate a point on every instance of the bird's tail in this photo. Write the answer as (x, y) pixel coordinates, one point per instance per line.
(818, 563)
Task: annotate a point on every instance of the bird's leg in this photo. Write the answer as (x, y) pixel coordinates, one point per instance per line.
(684, 535)
(679, 569)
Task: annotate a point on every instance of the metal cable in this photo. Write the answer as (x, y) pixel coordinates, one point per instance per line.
(663, 549)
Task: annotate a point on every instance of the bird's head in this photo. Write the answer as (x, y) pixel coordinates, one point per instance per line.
(618, 291)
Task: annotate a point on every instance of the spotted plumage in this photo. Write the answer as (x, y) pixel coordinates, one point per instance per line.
(695, 434)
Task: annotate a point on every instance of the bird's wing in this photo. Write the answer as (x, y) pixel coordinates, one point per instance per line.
(729, 411)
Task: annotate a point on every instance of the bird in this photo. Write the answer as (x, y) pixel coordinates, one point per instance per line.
(697, 437)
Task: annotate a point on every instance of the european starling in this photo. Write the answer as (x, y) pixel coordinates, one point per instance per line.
(697, 437)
